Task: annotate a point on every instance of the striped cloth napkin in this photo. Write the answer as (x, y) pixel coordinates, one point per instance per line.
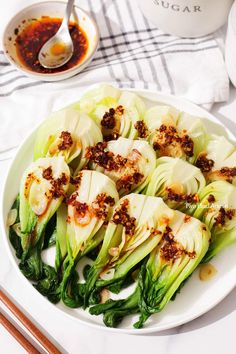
(132, 53)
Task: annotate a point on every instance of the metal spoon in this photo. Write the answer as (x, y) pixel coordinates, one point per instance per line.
(58, 50)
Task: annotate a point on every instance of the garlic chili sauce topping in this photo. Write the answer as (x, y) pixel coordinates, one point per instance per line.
(30, 40)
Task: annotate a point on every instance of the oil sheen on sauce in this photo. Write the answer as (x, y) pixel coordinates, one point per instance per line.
(30, 40)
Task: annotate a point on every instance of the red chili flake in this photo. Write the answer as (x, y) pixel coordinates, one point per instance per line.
(111, 123)
(223, 215)
(57, 186)
(191, 254)
(101, 205)
(204, 163)
(120, 110)
(155, 232)
(63, 180)
(187, 218)
(171, 249)
(112, 136)
(76, 180)
(81, 208)
(190, 198)
(228, 173)
(163, 128)
(47, 173)
(211, 198)
(104, 158)
(66, 141)
(156, 146)
(187, 145)
(167, 136)
(141, 128)
(122, 217)
(108, 120)
(71, 199)
(127, 181)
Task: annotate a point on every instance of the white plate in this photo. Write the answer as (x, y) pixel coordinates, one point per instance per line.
(196, 297)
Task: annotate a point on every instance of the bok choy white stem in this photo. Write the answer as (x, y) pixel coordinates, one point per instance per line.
(129, 163)
(89, 208)
(43, 187)
(177, 182)
(115, 112)
(218, 162)
(67, 133)
(217, 209)
(175, 134)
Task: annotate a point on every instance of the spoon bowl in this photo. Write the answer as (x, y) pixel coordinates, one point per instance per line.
(58, 50)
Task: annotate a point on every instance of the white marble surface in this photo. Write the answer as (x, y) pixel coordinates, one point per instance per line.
(213, 332)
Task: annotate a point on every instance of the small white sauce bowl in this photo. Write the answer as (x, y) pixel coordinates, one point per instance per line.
(53, 9)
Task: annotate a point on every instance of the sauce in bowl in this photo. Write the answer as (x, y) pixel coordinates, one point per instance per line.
(30, 40)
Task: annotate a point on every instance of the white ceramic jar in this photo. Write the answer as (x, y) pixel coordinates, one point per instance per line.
(186, 18)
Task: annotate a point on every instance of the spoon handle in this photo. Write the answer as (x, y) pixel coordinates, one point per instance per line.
(69, 8)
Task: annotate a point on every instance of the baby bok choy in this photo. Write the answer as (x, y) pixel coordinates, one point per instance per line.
(97, 101)
(133, 110)
(89, 209)
(177, 182)
(43, 187)
(129, 163)
(135, 228)
(175, 134)
(67, 133)
(217, 209)
(218, 161)
(115, 112)
(182, 247)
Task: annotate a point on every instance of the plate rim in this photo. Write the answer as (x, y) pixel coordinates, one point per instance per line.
(10, 251)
